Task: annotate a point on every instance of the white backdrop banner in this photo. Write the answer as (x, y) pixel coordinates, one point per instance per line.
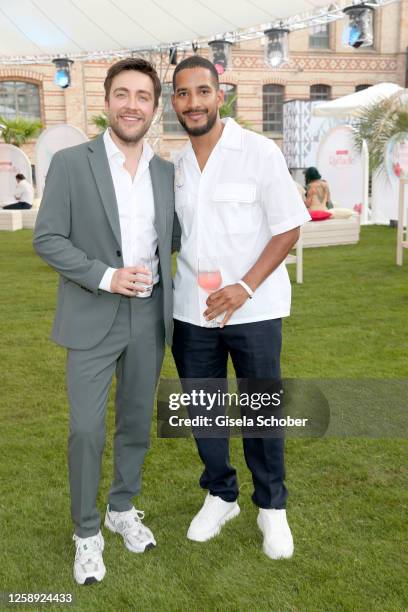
(385, 187)
(12, 161)
(303, 132)
(343, 168)
(50, 141)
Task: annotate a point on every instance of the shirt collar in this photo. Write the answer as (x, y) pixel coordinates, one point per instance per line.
(113, 151)
(231, 138)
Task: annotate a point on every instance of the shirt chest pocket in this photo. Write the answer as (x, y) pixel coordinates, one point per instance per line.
(236, 207)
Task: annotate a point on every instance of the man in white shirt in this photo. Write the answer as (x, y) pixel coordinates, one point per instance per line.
(24, 194)
(239, 209)
(105, 225)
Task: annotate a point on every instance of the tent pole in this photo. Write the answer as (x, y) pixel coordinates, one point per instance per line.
(364, 212)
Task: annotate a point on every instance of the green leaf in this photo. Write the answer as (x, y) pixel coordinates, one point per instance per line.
(377, 123)
(17, 131)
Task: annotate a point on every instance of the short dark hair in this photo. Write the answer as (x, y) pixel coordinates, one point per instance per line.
(20, 177)
(133, 63)
(196, 61)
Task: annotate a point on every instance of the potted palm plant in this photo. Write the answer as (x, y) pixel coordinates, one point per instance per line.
(17, 131)
(380, 122)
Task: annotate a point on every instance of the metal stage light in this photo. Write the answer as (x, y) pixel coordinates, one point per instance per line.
(359, 32)
(173, 56)
(276, 47)
(62, 72)
(220, 54)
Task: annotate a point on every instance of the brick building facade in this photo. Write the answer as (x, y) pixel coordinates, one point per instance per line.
(320, 67)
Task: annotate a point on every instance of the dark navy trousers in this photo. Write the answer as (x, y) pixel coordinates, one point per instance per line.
(255, 348)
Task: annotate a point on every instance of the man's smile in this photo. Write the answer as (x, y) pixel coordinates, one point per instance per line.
(196, 114)
(130, 118)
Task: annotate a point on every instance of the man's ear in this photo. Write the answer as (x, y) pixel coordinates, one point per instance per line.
(173, 97)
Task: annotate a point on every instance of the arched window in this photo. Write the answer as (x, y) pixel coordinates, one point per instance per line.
(320, 92)
(362, 86)
(273, 96)
(230, 93)
(19, 99)
(171, 124)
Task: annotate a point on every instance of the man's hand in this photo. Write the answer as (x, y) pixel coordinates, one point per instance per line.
(131, 281)
(228, 300)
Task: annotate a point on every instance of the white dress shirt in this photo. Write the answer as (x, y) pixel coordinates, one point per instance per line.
(136, 210)
(244, 196)
(24, 192)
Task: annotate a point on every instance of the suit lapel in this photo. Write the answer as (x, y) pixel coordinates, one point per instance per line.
(158, 196)
(103, 178)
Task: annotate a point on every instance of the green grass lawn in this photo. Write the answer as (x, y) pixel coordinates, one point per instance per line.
(348, 496)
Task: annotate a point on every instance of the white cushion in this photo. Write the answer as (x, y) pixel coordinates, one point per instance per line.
(340, 213)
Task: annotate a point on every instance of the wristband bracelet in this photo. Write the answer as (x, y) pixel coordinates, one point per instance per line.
(247, 288)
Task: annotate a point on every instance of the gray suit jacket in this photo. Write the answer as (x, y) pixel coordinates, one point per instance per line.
(78, 234)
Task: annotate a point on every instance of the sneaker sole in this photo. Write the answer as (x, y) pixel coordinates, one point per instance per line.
(214, 532)
(270, 553)
(89, 580)
(111, 527)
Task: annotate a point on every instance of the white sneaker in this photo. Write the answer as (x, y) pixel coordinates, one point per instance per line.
(214, 513)
(89, 566)
(137, 537)
(278, 541)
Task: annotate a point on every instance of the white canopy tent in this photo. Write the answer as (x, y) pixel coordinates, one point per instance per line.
(35, 29)
(349, 107)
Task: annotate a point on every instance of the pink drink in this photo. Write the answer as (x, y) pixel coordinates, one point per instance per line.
(210, 281)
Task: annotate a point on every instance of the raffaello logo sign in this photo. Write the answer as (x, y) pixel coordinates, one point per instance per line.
(342, 166)
(342, 157)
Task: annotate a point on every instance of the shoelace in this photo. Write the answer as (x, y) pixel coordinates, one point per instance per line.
(129, 524)
(133, 525)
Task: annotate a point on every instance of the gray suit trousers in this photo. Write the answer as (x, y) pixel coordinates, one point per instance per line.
(134, 347)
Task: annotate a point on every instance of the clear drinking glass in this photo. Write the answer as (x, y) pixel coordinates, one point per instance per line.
(209, 279)
(146, 262)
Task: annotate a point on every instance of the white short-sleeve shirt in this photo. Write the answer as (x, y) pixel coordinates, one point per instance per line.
(244, 196)
(25, 192)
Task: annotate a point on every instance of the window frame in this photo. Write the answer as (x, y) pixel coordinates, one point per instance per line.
(317, 37)
(328, 89)
(38, 85)
(233, 93)
(362, 87)
(167, 90)
(267, 128)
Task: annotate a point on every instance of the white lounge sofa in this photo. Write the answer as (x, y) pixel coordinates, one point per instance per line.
(11, 220)
(330, 232)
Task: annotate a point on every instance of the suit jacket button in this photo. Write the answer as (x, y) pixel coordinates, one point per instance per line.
(118, 253)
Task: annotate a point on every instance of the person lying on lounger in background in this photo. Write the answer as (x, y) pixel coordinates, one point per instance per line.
(317, 191)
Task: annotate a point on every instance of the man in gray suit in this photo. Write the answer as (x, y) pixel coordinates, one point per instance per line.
(105, 225)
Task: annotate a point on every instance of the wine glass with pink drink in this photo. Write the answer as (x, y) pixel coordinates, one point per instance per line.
(209, 278)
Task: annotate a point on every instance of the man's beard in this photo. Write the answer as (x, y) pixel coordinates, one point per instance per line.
(199, 131)
(129, 138)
